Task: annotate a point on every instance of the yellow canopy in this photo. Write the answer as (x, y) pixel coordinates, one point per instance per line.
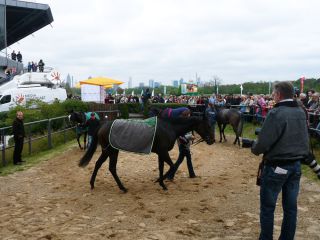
(106, 86)
(101, 81)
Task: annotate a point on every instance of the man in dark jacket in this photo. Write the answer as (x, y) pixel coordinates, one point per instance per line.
(92, 124)
(145, 98)
(284, 142)
(18, 136)
(13, 56)
(19, 57)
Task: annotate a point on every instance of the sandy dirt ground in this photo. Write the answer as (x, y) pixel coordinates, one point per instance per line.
(53, 200)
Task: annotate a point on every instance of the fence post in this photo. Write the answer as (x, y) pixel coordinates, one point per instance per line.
(64, 130)
(29, 140)
(3, 149)
(49, 134)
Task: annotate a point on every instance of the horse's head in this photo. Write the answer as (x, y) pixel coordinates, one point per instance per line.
(77, 117)
(204, 129)
(155, 112)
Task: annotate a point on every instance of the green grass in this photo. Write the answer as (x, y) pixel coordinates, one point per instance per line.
(39, 152)
(37, 158)
(248, 130)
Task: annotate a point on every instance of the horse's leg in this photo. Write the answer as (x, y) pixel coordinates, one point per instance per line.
(161, 165)
(237, 137)
(224, 136)
(85, 140)
(173, 169)
(220, 131)
(165, 157)
(113, 169)
(78, 140)
(103, 157)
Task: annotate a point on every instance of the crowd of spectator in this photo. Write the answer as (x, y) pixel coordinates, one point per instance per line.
(254, 107)
(34, 66)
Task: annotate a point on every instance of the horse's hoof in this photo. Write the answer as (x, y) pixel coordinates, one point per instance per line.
(92, 187)
(165, 188)
(124, 190)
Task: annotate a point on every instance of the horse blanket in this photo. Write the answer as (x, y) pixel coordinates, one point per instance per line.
(173, 112)
(133, 135)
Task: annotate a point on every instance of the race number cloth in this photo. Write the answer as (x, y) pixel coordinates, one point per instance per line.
(133, 135)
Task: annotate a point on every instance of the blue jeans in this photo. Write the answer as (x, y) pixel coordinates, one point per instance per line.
(89, 140)
(271, 185)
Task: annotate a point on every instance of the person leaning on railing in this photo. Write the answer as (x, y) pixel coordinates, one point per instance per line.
(18, 136)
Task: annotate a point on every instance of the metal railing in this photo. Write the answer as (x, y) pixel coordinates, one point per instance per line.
(50, 127)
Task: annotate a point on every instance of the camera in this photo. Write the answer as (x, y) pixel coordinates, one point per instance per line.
(313, 164)
(247, 142)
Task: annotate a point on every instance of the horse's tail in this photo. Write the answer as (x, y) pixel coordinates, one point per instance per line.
(91, 150)
(240, 126)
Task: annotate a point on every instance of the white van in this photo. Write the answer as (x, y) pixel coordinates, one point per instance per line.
(22, 94)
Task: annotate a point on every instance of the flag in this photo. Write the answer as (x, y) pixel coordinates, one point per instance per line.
(302, 83)
(124, 92)
(152, 94)
(164, 90)
(132, 93)
(141, 92)
(241, 88)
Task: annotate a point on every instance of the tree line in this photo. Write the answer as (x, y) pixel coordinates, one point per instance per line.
(261, 87)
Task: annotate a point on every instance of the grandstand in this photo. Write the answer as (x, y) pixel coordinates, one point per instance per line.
(19, 19)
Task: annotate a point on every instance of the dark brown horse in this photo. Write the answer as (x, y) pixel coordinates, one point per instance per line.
(233, 117)
(167, 132)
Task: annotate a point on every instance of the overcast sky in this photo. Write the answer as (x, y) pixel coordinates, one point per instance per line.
(164, 40)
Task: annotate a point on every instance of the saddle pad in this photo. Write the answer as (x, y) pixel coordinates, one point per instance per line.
(133, 135)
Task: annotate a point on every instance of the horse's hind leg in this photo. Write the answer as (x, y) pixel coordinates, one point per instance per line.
(103, 157)
(237, 137)
(224, 136)
(220, 131)
(113, 170)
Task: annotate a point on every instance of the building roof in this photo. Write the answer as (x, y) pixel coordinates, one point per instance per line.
(24, 18)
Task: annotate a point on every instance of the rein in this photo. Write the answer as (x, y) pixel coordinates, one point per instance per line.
(197, 142)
